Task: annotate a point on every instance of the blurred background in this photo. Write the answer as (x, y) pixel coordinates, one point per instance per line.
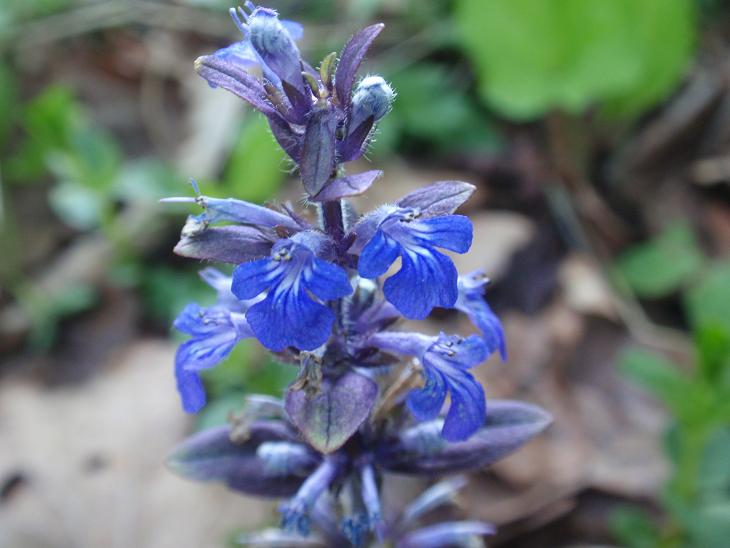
(598, 135)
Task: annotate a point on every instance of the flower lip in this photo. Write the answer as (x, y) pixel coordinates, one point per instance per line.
(427, 278)
(295, 281)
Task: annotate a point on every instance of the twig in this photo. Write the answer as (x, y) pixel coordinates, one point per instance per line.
(568, 201)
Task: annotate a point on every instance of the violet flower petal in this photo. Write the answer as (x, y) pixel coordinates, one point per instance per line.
(422, 450)
(345, 187)
(318, 154)
(352, 55)
(450, 533)
(441, 198)
(252, 467)
(231, 76)
(225, 244)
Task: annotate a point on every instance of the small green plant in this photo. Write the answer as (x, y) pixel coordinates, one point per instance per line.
(664, 264)
(696, 497)
(91, 186)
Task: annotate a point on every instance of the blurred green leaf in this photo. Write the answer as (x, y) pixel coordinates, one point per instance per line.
(46, 119)
(713, 350)
(714, 477)
(657, 375)
(46, 310)
(532, 56)
(216, 412)
(230, 375)
(166, 291)
(633, 528)
(708, 302)
(92, 157)
(62, 140)
(255, 169)
(145, 180)
(431, 107)
(709, 525)
(271, 378)
(76, 205)
(248, 370)
(662, 265)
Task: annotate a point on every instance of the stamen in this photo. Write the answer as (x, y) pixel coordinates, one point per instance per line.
(239, 21)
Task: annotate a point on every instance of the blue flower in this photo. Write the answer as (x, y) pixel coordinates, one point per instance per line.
(427, 278)
(471, 301)
(214, 332)
(445, 360)
(295, 512)
(294, 280)
(445, 365)
(268, 43)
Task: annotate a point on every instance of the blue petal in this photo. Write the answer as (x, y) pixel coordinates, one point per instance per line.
(252, 279)
(239, 52)
(206, 352)
(468, 408)
(295, 30)
(425, 280)
(377, 255)
(326, 280)
(288, 317)
(471, 301)
(426, 403)
(470, 351)
(453, 232)
(190, 387)
(190, 320)
(491, 328)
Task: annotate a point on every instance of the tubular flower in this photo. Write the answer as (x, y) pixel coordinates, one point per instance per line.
(445, 360)
(427, 278)
(295, 280)
(214, 332)
(471, 302)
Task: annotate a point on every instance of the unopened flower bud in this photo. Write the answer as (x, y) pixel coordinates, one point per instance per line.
(268, 35)
(373, 97)
(274, 44)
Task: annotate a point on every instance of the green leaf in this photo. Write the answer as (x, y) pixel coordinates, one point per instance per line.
(532, 56)
(656, 374)
(632, 528)
(63, 140)
(145, 180)
(708, 302)
(430, 106)
(713, 348)
(216, 412)
(76, 205)
(46, 120)
(50, 116)
(714, 478)
(46, 311)
(270, 378)
(166, 291)
(255, 169)
(230, 375)
(709, 525)
(662, 265)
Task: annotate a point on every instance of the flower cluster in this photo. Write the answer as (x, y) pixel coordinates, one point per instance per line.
(325, 296)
